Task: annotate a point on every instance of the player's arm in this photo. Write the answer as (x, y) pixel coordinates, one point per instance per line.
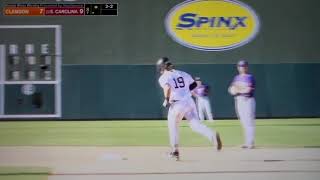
(234, 89)
(242, 89)
(194, 94)
(166, 93)
(189, 80)
(248, 87)
(239, 89)
(192, 86)
(207, 89)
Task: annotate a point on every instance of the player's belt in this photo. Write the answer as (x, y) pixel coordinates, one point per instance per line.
(244, 96)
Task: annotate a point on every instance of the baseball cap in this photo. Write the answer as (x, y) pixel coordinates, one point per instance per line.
(242, 63)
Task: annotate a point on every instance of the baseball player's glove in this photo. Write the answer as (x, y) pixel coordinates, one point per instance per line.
(243, 89)
(238, 89)
(233, 90)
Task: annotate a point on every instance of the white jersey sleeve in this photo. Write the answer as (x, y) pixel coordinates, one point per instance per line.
(163, 80)
(188, 79)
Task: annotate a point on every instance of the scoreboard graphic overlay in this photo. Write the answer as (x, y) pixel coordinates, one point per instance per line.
(31, 58)
(107, 9)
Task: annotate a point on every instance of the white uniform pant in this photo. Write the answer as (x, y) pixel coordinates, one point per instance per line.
(246, 109)
(186, 108)
(204, 108)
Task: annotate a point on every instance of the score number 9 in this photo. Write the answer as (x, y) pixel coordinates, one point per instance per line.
(81, 11)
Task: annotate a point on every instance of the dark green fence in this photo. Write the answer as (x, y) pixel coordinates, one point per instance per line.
(132, 92)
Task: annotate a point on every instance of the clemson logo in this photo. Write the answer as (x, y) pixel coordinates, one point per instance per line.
(212, 25)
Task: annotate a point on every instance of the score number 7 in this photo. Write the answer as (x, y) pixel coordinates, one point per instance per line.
(41, 11)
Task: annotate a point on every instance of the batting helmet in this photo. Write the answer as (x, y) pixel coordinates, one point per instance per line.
(164, 64)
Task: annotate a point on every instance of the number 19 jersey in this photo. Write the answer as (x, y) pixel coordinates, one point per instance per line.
(179, 83)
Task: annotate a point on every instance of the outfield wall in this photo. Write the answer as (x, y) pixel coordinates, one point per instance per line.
(132, 92)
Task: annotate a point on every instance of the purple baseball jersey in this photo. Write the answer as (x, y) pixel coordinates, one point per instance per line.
(246, 80)
(202, 90)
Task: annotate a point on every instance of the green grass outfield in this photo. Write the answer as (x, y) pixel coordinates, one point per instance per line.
(24, 173)
(273, 133)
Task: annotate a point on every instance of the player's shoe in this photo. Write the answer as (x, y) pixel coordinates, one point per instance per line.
(211, 120)
(219, 142)
(247, 146)
(175, 155)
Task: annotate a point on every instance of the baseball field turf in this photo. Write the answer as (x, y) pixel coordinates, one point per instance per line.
(57, 150)
(271, 132)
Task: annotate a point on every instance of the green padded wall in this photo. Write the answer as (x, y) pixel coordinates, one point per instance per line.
(132, 92)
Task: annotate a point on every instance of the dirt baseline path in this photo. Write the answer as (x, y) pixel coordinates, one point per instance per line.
(153, 163)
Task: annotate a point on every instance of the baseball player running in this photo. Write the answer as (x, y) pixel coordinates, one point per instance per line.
(177, 86)
(203, 103)
(242, 88)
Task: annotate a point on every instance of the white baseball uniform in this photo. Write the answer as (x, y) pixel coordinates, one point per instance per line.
(182, 105)
(245, 105)
(203, 102)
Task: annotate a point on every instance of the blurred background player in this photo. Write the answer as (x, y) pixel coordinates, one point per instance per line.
(201, 93)
(177, 86)
(242, 88)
